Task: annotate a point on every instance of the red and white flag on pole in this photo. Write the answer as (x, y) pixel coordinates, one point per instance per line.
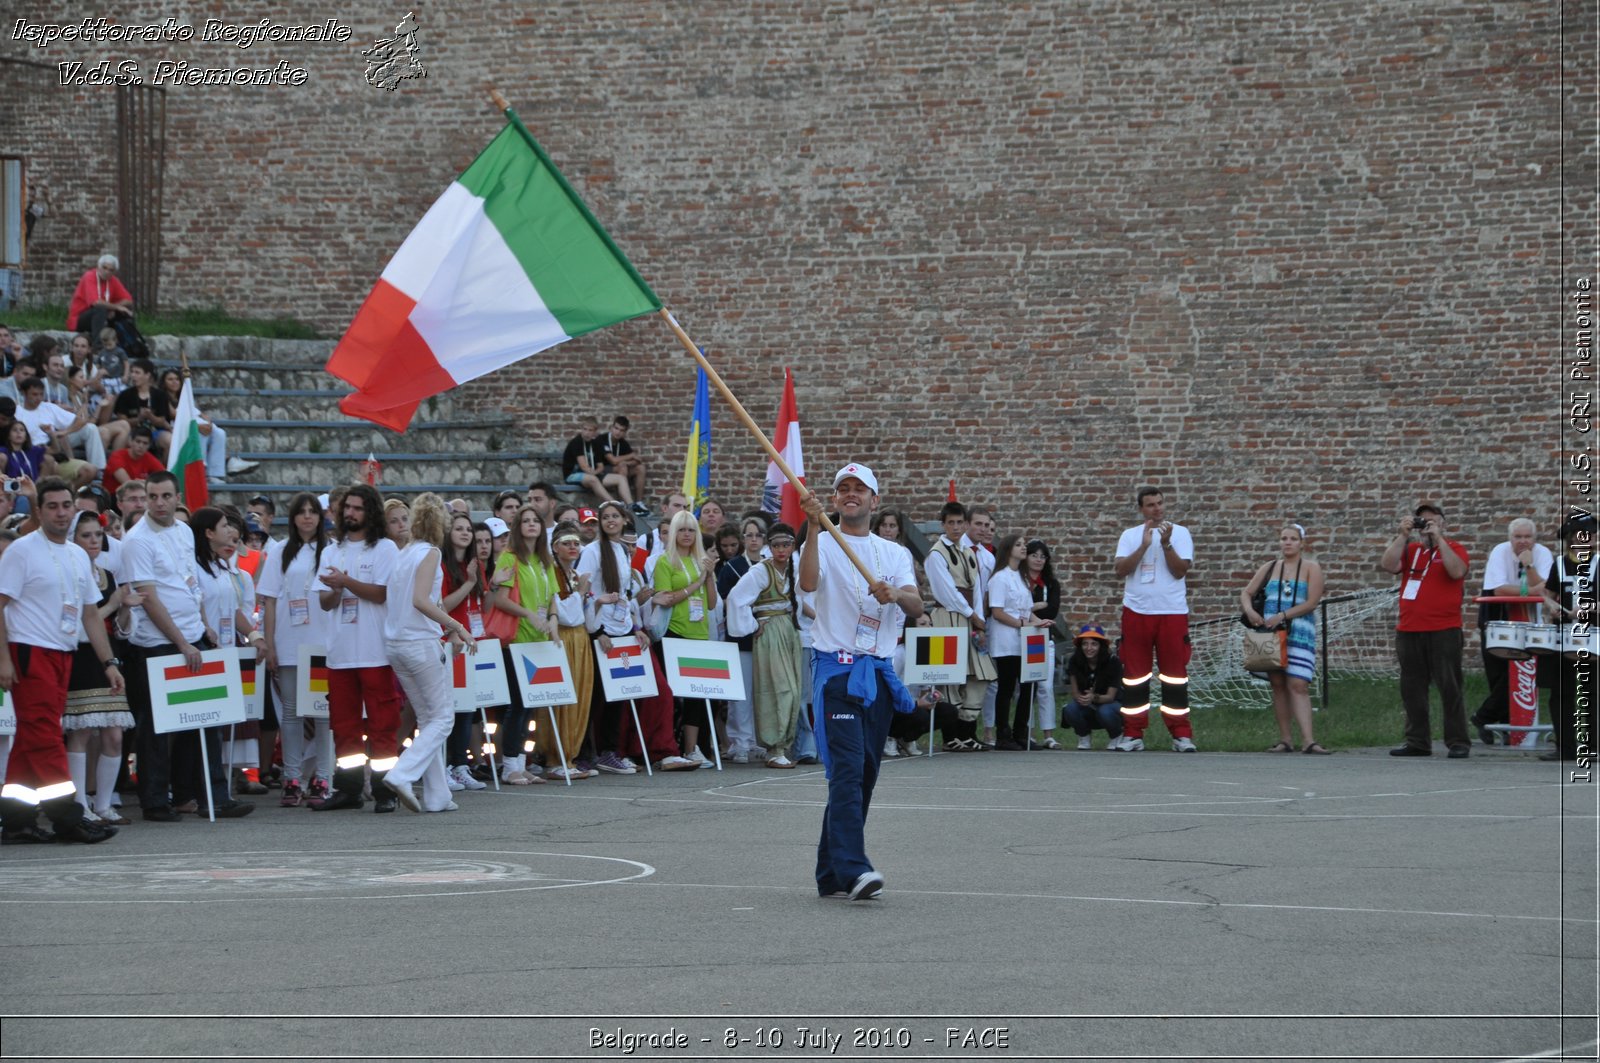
(779, 496)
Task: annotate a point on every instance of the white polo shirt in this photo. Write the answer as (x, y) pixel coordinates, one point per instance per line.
(842, 598)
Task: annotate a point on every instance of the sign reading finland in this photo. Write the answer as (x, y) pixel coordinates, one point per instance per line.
(184, 700)
(478, 680)
(698, 669)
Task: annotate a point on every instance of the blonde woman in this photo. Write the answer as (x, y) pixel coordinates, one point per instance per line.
(685, 583)
(1293, 585)
(414, 622)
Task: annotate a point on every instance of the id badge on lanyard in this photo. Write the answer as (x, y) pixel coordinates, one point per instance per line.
(225, 632)
(69, 619)
(475, 622)
(347, 609)
(299, 612)
(1413, 584)
(697, 609)
(867, 632)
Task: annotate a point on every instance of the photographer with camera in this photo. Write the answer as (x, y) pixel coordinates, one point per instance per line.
(1428, 638)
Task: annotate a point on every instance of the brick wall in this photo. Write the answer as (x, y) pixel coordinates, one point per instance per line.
(1288, 260)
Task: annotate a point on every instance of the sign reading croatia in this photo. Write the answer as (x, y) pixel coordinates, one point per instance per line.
(184, 700)
(626, 672)
(1035, 657)
(542, 674)
(936, 655)
(697, 669)
(311, 683)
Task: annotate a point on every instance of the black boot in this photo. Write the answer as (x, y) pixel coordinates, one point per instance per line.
(19, 823)
(346, 791)
(66, 817)
(383, 799)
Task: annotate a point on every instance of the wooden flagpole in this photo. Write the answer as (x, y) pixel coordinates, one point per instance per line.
(772, 451)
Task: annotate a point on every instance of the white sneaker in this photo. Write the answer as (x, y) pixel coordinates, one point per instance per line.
(238, 465)
(697, 758)
(450, 806)
(911, 749)
(677, 764)
(463, 775)
(738, 756)
(891, 748)
(1184, 745)
(1131, 745)
(450, 780)
(1085, 742)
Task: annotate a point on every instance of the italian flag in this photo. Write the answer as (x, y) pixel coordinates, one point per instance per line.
(186, 457)
(507, 263)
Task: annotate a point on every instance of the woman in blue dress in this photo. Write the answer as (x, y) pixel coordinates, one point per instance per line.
(1293, 585)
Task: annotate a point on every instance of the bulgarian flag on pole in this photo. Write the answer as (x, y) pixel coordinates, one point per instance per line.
(507, 263)
(186, 458)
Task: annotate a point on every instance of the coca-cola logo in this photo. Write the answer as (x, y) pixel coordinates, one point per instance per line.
(1526, 692)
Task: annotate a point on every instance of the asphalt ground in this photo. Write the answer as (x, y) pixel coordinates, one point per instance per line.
(1048, 905)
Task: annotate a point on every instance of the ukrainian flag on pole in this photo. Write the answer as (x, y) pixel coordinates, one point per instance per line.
(697, 464)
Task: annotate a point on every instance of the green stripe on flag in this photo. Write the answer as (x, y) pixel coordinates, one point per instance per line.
(191, 451)
(572, 263)
(189, 697)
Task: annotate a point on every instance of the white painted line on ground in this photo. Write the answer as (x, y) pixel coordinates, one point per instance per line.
(1564, 1052)
(987, 895)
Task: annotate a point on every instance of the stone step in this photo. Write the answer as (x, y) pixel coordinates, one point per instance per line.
(404, 471)
(483, 435)
(238, 492)
(262, 375)
(298, 404)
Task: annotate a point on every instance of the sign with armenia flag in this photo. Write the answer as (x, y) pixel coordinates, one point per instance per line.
(507, 263)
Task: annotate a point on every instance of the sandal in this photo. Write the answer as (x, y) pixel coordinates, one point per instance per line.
(956, 745)
(1280, 747)
(1316, 749)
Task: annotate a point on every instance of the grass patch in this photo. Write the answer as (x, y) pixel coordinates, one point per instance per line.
(195, 321)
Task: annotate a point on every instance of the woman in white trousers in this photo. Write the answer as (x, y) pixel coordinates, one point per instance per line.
(413, 625)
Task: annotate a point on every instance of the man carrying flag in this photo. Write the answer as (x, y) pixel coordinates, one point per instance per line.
(853, 638)
(507, 263)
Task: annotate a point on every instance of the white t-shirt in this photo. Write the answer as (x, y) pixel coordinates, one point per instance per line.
(44, 580)
(355, 625)
(1007, 591)
(617, 618)
(842, 598)
(1501, 568)
(48, 414)
(222, 597)
(1151, 589)
(298, 619)
(163, 560)
(402, 621)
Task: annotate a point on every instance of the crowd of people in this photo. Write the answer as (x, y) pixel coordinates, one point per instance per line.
(388, 588)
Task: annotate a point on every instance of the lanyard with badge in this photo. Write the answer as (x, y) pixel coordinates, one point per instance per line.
(179, 568)
(349, 604)
(1414, 578)
(300, 608)
(696, 601)
(70, 622)
(867, 625)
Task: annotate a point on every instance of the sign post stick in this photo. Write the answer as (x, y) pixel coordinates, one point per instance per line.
(711, 727)
(205, 773)
(488, 750)
(555, 733)
(644, 750)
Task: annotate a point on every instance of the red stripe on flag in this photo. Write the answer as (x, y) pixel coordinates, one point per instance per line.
(388, 362)
(545, 676)
(181, 671)
(704, 673)
(622, 651)
(196, 493)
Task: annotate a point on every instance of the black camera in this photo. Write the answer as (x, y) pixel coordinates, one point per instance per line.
(1419, 523)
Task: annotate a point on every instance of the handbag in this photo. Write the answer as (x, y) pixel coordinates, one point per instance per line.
(1266, 651)
(660, 621)
(499, 624)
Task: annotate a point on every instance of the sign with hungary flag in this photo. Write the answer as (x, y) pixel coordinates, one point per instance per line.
(182, 699)
(507, 263)
(697, 669)
(186, 457)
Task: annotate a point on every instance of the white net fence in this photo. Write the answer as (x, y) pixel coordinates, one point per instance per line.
(1355, 637)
